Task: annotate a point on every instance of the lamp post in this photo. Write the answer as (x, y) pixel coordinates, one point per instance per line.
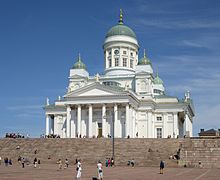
(113, 136)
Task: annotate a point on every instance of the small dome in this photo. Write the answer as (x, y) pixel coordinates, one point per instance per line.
(79, 64)
(144, 60)
(121, 29)
(157, 80)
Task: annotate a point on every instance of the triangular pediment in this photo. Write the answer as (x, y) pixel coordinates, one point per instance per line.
(95, 92)
(94, 89)
(76, 76)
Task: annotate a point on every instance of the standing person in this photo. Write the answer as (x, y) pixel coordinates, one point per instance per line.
(38, 162)
(106, 162)
(60, 164)
(109, 162)
(112, 161)
(161, 167)
(79, 169)
(100, 170)
(22, 162)
(0, 160)
(6, 161)
(35, 162)
(66, 163)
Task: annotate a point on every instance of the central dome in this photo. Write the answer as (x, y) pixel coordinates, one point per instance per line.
(121, 29)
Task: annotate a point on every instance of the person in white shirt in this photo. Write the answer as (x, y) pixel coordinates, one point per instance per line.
(79, 169)
(100, 170)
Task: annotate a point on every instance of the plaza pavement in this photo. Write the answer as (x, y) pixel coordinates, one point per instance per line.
(51, 172)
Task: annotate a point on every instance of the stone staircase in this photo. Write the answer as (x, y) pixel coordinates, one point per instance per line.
(145, 152)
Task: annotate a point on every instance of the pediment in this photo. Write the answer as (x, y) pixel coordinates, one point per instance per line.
(95, 92)
(75, 76)
(94, 89)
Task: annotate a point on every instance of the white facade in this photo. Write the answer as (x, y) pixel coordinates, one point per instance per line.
(128, 95)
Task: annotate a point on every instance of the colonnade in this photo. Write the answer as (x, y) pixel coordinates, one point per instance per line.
(73, 125)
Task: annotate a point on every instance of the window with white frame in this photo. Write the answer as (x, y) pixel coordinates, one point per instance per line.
(159, 132)
(109, 62)
(159, 118)
(116, 61)
(124, 52)
(124, 62)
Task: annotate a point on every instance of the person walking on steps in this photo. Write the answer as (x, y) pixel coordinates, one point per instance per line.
(161, 167)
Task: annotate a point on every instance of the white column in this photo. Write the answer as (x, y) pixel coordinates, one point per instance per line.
(164, 131)
(55, 125)
(115, 120)
(133, 122)
(47, 124)
(68, 118)
(51, 125)
(72, 124)
(90, 121)
(79, 120)
(149, 125)
(186, 126)
(104, 120)
(175, 125)
(127, 122)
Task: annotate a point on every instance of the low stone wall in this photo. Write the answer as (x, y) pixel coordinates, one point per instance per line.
(203, 153)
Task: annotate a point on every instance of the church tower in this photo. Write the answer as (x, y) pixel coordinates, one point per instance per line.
(120, 50)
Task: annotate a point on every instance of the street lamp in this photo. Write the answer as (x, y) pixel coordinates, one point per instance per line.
(113, 136)
(112, 115)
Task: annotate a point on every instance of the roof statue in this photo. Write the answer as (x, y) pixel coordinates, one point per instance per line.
(47, 101)
(97, 77)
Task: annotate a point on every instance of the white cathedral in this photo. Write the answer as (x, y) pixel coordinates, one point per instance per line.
(128, 100)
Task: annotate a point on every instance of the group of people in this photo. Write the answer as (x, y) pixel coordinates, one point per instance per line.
(109, 162)
(51, 136)
(13, 135)
(7, 161)
(79, 170)
(60, 164)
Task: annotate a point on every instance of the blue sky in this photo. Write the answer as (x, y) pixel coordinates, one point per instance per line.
(40, 41)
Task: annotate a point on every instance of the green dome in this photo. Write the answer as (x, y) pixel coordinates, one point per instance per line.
(121, 29)
(144, 60)
(157, 80)
(79, 64)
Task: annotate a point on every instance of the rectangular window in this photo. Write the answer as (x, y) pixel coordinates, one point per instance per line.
(125, 62)
(131, 63)
(159, 132)
(116, 61)
(124, 52)
(109, 52)
(110, 62)
(159, 118)
(131, 53)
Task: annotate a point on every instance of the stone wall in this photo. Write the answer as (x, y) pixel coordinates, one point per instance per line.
(203, 153)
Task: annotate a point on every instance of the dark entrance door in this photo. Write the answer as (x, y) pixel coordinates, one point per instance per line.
(99, 130)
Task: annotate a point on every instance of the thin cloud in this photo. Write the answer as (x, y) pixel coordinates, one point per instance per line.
(24, 107)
